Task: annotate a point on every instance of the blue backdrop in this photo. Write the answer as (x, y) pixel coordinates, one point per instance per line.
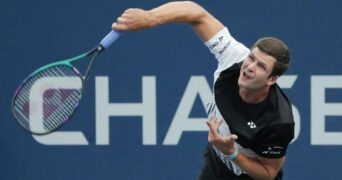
(164, 76)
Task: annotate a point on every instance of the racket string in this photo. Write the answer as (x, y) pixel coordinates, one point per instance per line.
(23, 99)
(61, 116)
(53, 116)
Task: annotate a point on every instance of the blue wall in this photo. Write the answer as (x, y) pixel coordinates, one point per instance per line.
(169, 59)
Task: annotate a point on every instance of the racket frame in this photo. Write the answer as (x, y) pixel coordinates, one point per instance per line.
(66, 62)
(111, 37)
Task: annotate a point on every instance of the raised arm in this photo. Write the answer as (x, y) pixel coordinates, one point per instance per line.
(203, 23)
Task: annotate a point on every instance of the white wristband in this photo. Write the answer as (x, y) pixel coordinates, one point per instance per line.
(230, 156)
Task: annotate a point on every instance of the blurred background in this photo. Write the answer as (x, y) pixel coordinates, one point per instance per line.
(166, 73)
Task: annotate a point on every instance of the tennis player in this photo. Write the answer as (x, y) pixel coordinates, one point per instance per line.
(251, 121)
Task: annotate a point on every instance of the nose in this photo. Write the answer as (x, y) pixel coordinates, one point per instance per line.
(251, 66)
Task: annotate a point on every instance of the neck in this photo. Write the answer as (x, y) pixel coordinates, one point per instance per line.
(253, 96)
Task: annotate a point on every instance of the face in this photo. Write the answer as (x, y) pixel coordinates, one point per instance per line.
(256, 70)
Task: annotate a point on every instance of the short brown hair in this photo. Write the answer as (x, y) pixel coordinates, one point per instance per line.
(277, 49)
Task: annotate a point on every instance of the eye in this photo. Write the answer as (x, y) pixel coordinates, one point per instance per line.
(261, 66)
(250, 58)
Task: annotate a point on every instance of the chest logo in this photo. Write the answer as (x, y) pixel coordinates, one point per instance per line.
(251, 124)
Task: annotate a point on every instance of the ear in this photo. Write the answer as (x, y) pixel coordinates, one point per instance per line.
(272, 80)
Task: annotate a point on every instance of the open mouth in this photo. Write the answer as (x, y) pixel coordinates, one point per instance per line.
(246, 76)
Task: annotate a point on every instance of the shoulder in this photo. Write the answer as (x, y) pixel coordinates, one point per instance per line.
(234, 68)
(227, 80)
(231, 71)
(282, 105)
(226, 49)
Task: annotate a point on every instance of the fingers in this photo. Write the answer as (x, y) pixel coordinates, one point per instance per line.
(213, 118)
(213, 130)
(119, 27)
(214, 121)
(219, 123)
(233, 136)
(121, 22)
(211, 126)
(214, 125)
(229, 140)
(131, 20)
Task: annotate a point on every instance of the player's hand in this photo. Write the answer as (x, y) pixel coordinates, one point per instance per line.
(133, 19)
(224, 144)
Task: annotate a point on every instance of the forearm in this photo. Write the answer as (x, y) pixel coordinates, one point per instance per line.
(177, 12)
(257, 168)
(203, 23)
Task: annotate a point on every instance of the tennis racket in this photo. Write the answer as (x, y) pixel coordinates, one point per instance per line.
(49, 96)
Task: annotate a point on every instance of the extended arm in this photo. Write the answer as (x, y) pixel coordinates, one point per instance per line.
(203, 23)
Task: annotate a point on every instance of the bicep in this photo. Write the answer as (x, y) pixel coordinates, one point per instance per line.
(207, 26)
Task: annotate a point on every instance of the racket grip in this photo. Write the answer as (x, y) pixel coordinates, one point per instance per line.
(110, 38)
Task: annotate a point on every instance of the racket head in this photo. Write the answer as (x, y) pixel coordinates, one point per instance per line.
(48, 97)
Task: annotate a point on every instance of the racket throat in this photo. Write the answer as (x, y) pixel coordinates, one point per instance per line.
(94, 53)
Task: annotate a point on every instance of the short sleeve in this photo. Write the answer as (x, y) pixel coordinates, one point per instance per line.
(226, 49)
(274, 141)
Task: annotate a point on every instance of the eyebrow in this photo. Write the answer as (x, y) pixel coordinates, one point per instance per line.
(261, 62)
(251, 54)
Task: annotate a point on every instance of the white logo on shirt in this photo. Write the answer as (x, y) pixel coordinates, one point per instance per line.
(251, 124)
